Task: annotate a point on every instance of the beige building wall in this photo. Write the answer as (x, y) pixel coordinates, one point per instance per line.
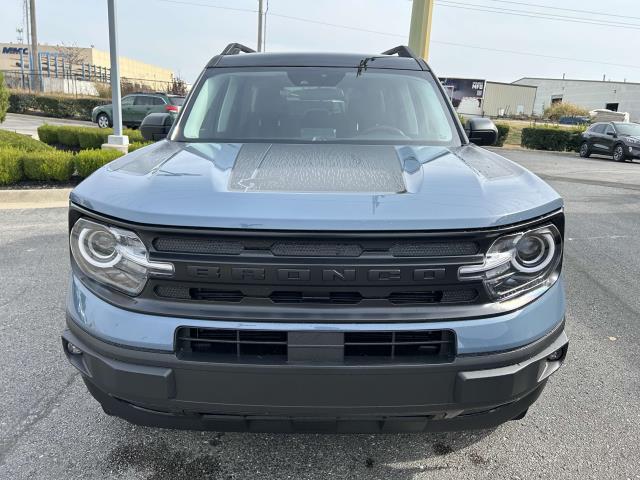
(140, 72)
(133, 69)
(505, 99)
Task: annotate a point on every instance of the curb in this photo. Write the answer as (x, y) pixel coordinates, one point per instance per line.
(34, 198)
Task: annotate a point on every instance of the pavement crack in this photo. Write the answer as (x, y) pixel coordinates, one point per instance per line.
(42, 410)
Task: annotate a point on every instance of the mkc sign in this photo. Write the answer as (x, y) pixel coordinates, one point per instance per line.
(15, 50)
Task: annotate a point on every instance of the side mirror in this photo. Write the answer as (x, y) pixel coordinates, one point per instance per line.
(156, 126)
(613, 134)
(481, 131)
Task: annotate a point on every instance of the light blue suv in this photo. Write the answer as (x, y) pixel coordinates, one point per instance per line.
(316, 246)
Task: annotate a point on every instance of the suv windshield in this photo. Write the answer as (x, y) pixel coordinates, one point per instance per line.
(631, 129)
(312, 104)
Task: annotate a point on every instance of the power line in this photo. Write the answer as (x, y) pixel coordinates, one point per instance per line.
(575, 10)
(515, 52)
(378, 32)
(219, 7)
(528, 14)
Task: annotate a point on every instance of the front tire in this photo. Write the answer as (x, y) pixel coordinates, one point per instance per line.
(103, 120)
(585, 150)
(618, 153)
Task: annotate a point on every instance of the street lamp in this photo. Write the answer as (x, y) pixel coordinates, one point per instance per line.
(117, 141)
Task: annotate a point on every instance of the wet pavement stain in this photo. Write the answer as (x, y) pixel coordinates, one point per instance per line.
(442, 448)
(162, 462)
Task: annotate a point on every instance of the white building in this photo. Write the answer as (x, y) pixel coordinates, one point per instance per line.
(590, 94)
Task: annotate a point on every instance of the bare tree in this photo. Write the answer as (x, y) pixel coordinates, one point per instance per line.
(177, 86)
(73, 55)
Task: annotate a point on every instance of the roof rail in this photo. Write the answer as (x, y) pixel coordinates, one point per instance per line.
(236, 48)
(401, 51)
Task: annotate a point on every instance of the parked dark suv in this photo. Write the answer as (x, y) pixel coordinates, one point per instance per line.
(137, 106)
(617, 139)
(316, 246)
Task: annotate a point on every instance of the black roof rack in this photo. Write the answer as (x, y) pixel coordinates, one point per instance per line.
(236, 48)
(401, 51)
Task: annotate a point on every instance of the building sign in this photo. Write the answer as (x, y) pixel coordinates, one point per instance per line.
(15, 50)
(463, 90)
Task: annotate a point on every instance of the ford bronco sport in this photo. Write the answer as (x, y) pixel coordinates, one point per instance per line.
(317, 246)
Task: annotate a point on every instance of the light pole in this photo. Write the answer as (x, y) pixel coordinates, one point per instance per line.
(420, 33)
(260, 15)
(117, 141)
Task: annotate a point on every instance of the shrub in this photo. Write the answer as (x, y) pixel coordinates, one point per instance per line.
(59, 106)
(4, 98)
(84, 137)
(88, 161)
(10, 166)
(48, 134)
(68, 136)
(21, 142)
(503, 133)
(575, 138)
(136, 145)
(92, 137)
(134, 135)
(547, 138)
(562, 109)
(47, 165)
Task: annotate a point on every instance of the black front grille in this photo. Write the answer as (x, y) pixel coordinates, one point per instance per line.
(400, 297)
(209, 343)
(214, 245)
(433, 344)
(227, 345)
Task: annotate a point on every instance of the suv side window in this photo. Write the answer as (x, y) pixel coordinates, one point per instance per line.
(143, 100)
(609, 129)
(128, 100)
(158, 100)
(598, 128)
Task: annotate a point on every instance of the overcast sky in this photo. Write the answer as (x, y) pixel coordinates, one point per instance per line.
(182, 36)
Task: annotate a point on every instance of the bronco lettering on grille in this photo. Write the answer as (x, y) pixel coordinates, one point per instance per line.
(320, 274)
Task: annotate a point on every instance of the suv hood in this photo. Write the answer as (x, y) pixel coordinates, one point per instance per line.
(316, 187)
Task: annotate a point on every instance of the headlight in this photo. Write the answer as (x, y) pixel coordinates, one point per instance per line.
(518, 263)
(113, 256)
(635, 141)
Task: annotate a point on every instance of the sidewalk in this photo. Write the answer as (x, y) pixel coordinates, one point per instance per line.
(28, 124)
(34, 198)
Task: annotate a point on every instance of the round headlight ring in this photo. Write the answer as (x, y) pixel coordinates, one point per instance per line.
(547, 245)
(88, 251)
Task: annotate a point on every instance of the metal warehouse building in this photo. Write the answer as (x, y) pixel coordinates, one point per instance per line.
(590, 94)
(507, 99)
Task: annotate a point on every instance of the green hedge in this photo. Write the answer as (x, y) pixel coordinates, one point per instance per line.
(51, 165)
(88, 161)
(58, 106)
(503, 133)
(68, 136)
(83, 137)
(48, 134)
(546, 138)
(10, 166)
(21, 142)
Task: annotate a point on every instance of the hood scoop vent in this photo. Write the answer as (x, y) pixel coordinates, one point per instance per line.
(317, 168)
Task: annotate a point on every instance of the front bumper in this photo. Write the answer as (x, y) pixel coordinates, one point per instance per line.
(159, 389)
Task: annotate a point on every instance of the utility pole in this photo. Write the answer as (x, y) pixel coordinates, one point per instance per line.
(117, 141)
(35, 59)
(260, 15)
(420, 33)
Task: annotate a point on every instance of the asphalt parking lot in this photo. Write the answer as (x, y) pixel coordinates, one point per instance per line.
(585, 426)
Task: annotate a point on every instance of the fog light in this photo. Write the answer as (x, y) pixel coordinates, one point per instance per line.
(557, 355)
(73, 350)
